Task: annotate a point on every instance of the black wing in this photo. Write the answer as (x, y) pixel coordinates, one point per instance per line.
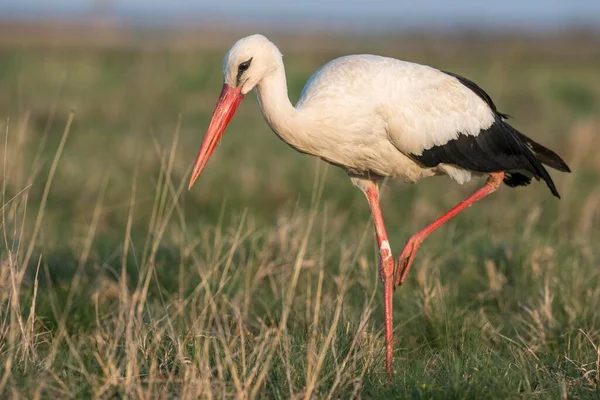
(497, 148)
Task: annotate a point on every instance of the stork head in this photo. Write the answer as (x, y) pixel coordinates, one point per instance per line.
(248, 61)
(245, 65)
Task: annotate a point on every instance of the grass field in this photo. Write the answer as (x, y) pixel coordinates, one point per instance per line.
(262, 281)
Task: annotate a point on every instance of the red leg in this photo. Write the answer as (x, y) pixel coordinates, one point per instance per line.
(386, 269)
(407, 257)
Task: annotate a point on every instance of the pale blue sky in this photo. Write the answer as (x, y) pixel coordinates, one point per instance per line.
(382, 14)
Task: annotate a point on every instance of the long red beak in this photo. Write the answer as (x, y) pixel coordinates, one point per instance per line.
(229, 100)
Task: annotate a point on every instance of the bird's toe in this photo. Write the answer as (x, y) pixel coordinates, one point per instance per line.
(406, 259)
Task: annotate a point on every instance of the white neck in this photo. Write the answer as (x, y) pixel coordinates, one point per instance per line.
(285, 120)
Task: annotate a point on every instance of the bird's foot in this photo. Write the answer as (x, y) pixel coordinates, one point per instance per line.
(406, 258)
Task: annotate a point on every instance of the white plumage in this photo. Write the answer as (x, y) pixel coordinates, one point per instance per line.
(420, 105)
(380, 117)
(379, 110)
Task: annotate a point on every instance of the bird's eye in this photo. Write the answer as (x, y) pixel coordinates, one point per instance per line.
(241, 68)
(244, 66)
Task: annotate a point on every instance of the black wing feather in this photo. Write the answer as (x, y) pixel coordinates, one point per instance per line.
(514, 179)
(544, 154)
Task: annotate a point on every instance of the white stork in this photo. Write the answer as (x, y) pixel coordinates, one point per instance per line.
(379, 117)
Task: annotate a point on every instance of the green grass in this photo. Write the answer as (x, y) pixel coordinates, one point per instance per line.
(262, 281)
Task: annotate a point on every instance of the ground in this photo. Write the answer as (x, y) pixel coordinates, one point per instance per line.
(262, 280)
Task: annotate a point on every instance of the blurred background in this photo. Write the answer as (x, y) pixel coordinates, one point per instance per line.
(358, 18)
(142, 78)
(377, 16)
